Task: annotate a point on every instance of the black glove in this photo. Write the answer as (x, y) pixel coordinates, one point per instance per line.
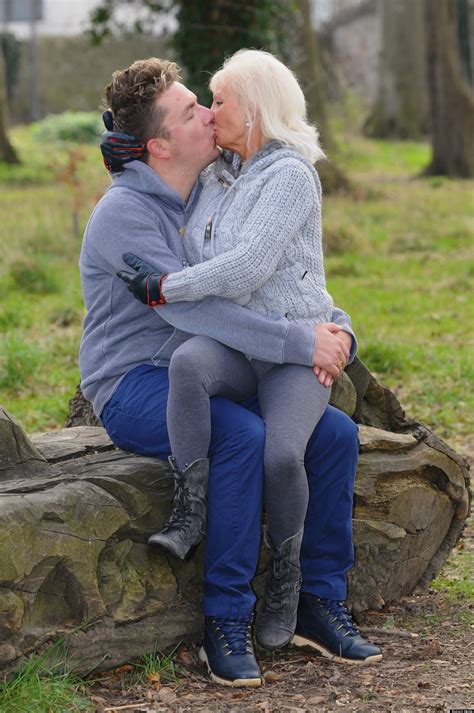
(145, 285)
(118, 149)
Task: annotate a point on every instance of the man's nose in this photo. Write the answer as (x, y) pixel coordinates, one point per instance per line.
(208, 115)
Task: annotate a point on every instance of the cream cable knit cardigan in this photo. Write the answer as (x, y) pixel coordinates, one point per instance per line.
(255, 238)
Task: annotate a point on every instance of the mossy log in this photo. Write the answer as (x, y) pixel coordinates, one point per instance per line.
(75, 513)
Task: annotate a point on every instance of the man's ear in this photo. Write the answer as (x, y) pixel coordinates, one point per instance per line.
(158, 148)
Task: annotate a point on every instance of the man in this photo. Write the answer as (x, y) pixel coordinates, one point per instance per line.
(126, 348)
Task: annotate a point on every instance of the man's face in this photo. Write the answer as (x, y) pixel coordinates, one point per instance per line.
(191, 127)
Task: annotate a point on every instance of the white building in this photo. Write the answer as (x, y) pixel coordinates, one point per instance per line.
(59, 18)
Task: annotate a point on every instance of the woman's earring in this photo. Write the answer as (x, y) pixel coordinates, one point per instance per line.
(247, 124)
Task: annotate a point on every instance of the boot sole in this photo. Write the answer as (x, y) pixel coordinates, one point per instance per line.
(165, 549)
(302, 641)
(247, 682)
(168, 551)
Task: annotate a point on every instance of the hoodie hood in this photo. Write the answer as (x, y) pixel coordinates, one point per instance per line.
(137, 176)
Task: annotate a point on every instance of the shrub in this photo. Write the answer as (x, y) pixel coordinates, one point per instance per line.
(79, 126)
(341, 239)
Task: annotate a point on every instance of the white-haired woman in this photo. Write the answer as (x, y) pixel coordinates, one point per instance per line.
(254, 238)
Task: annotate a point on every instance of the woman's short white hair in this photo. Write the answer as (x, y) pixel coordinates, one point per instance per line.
(267, 87)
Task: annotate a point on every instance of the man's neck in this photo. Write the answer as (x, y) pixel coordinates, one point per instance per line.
(179, 180)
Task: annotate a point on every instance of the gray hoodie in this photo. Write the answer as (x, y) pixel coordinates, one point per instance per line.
(141, 214)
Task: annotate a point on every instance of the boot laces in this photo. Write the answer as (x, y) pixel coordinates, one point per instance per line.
(180, 514)
(236, 634)
(339, 612)
(279, 583)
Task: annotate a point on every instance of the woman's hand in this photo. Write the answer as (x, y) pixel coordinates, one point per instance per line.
(347, 340)
(323, 377)
(331, 352)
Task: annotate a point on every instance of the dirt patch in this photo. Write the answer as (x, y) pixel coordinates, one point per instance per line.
(427, 643)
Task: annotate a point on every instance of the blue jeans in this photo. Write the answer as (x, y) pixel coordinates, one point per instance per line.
(135, 419)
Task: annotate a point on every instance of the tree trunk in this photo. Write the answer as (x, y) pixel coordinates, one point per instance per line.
(452, 101)
(401, 106)
(7, 152)
(310, 72)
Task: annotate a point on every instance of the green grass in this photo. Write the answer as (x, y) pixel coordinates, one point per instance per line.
(155, 663)
(405, 278)
(398, 259)
(43, 685)
(456, 581)
(41, 308)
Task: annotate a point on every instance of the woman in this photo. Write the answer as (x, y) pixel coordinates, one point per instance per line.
(256, 235)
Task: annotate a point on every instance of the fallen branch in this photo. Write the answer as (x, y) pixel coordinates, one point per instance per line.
(127, 707)
(401, 633)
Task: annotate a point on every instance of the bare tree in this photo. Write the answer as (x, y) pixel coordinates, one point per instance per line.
(451, 99)
(310, 70)
(7, 152)
(401, 105)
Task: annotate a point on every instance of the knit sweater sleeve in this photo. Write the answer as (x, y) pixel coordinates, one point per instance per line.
(342, 319)
(283, 206)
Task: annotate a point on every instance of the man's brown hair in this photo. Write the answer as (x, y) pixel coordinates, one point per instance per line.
(131, 97)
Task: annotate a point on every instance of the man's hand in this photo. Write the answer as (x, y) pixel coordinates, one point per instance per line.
(145, 285)
(331, 352)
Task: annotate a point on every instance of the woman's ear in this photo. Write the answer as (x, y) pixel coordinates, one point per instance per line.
(158, 148)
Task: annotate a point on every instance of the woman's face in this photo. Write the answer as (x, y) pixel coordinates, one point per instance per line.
(231, 132)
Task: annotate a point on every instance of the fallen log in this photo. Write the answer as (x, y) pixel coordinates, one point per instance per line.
(75, 514)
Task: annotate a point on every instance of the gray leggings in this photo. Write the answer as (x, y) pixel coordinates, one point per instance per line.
(291, 401)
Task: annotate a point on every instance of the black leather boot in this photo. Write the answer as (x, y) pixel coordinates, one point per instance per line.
(276, 620)
(187, 524)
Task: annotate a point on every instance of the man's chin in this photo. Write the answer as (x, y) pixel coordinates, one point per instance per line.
(215, 153)
(211, 157)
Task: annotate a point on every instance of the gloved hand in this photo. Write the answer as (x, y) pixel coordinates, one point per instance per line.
(118, 149)
(146, 284)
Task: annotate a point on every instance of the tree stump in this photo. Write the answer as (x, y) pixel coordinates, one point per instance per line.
(75, 514)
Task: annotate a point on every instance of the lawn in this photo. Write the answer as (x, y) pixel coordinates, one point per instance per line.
(398, 258)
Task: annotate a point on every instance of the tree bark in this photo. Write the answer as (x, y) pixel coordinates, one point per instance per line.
(401, 106)
(451, 100)
(7, 152)
(310, 71)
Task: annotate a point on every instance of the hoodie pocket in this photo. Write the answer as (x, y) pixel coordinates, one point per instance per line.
(172, 343)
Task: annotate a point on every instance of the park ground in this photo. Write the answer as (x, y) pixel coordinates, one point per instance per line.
(399, 252)
(427, 641)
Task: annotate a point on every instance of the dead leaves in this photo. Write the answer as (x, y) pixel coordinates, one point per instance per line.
(154, 680)
(184, 657)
